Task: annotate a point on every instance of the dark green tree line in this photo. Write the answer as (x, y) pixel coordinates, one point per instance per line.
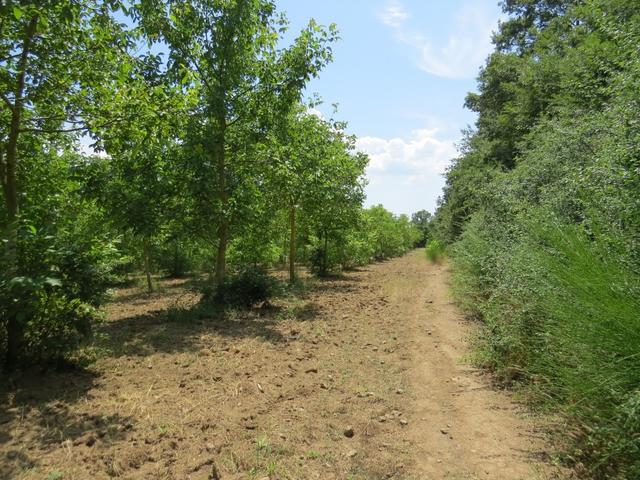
(541, 212)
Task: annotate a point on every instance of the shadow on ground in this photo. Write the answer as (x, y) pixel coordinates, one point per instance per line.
(37, 407)
(42, 408)
(180, 329)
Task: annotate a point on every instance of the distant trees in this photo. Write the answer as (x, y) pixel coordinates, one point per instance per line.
(422, 221)
(375, 234)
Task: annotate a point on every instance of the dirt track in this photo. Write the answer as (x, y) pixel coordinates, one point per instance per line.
(360, 378)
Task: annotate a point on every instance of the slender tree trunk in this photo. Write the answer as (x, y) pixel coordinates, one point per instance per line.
(176, 261)
(8, 169)
(292, 244)
(283, 254)
(325, 258)
(223, 196)
(221, 261)
(15, 331)
(146, 251)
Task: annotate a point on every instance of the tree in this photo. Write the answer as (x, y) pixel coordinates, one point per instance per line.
(528, 19)
(141, 186)
(51, 55)
(307, 153)
(226, 52)
(334, 198)
(422, 221)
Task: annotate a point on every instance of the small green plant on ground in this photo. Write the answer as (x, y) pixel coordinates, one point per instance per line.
(435, 251)
(249, 286)
(313, 454)
(55, 475)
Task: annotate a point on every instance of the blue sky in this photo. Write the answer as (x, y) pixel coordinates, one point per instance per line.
(400, 74)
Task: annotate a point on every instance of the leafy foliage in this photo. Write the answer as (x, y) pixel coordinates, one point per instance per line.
(422, 221)
(542, 213)
(199, 162)
(435, 251)
(248, 287)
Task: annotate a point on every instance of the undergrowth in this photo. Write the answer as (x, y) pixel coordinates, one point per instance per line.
(435, 251)
(561, 320)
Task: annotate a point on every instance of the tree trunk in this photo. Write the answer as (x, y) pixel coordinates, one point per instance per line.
(223, 196)
(177, 271)
(146, 251)
(325, 258)
(283, 253)
(15, 330)
(221, 260)
(292, 245)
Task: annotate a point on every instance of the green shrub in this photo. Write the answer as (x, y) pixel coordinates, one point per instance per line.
(355, 250)
(435, 251)
(249, 286)
(59, 278)
(561, 314)
(320, 261)
(52, 324)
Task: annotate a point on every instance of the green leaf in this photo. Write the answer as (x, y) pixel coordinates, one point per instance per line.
(21, 282)
(53, 282)
(17, 12)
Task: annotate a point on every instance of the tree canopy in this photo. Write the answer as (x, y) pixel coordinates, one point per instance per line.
(172, 137)
(540, 212)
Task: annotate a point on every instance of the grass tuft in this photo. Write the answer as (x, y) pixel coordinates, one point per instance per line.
(435, 251)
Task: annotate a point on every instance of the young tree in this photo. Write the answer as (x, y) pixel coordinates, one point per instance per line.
(226, 52)
(141, 184)
(334, 197)
(306, 154)
(51, 55)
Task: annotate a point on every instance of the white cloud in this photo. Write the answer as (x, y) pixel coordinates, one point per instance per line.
(415, 159)
(85, 147)
(405, 174)
(394, 14)
(465, 49)
(316, 112)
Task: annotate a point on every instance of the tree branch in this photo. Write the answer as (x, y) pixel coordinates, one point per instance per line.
(24, 58)
(3, 171)
(7, 102)
(53, 130)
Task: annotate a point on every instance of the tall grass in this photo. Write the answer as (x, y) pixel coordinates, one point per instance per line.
(435, 251)
(593, 321)
(561, 316)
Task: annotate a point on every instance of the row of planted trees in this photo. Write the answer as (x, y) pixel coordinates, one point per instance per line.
(203, 157)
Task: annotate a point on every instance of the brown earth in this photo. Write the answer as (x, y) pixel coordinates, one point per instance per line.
(361, 377)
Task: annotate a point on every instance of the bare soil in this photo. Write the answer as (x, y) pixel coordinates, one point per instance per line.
(360, 377)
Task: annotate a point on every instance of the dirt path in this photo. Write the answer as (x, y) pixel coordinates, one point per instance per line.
(463, 429)
(359, 378)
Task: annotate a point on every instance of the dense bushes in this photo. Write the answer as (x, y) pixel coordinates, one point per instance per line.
(562, 316)
(63, 261)
(542, 214)
(52, 297)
